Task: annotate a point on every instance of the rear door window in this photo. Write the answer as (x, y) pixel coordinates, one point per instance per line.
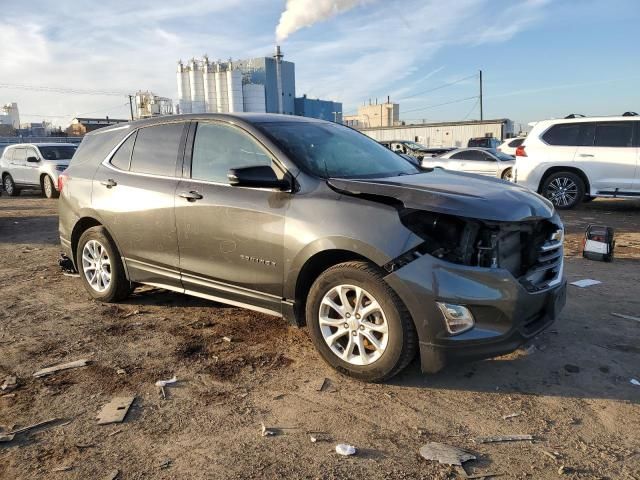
(218, 148)
(156, 149)
(613, 134)
(564, 134)
(122, 158)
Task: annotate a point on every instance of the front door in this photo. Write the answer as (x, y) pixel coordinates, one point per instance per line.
(231, 239)
(134, 196)
(17, 165)
(608, 156)
(32, 169)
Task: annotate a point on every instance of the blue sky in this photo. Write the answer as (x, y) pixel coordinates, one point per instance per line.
(540, 58)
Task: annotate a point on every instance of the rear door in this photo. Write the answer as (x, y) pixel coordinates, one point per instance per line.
(231, 238)
(608, 155)
(134, 196)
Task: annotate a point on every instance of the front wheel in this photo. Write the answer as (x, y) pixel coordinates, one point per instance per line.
(100, 266)
(564, 189)
(48, 189)
(358, 324)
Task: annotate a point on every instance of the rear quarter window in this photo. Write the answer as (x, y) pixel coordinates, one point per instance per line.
(564, 134)
(156, 149)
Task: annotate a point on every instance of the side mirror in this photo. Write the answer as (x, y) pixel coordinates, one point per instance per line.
(261, 176)
(32, 159)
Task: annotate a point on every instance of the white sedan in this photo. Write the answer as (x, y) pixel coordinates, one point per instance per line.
(483, 161)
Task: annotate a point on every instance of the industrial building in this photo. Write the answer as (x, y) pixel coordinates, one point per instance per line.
(260, 85)
(82, 126)
(10, 116)
(446, 134)
(316, 108)
(265, 84)
(375, 115)
(148, 104)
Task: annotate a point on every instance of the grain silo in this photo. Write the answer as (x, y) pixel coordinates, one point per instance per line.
(254, 98)
(234, 89)
(210, 97)
(184, 89)
(196, 83)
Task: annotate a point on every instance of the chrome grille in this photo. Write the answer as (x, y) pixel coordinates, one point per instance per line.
(546, 270)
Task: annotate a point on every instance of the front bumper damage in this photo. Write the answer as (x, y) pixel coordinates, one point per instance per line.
(506, 314)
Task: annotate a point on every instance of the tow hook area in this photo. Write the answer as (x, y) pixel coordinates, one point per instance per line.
(66, 264)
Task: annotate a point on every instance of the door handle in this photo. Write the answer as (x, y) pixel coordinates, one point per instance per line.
(191, 196)
(109, 183)
(585, 155)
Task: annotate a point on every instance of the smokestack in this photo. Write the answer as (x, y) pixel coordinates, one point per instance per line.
(278, 57)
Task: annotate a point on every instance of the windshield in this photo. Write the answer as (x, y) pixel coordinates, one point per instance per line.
(329, 150)
(58, 152)
(415, 146)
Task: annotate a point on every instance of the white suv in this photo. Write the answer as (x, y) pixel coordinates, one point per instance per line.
(573, 160)
(34, 165)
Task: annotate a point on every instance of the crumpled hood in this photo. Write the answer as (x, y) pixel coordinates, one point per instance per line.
(454, 193)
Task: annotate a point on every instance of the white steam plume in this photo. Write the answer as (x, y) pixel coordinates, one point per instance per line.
(304, 13)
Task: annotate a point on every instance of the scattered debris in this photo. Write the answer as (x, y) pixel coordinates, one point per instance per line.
(572, 368)
(133, 313)
(227, 339)
(511, 415)
(626, 317)
(112, 475)
(37, 425)
(503, 438)
(552, 455)
(63, 469)
(635, 382)
(115, 432)
(321, 384)
(164, 383)
(564, 469)
(344, 449)
(121, 371)
(587, 282)
(10, 383)
(115, 410)
(265, 432)
(530, 350)
(63, 366)
(445, 454)
(166, 464)
(6, 437)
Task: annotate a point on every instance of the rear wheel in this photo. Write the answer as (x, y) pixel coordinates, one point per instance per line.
(100, 266)
(358, 323)
(48, 189)
(564, 189)
(10, 186)
(507, 175)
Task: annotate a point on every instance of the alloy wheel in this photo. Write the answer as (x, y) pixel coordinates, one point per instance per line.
(48, 187)
(8, 185)
(96, 265)
(562, 191)
(508, 175)
(353, 324)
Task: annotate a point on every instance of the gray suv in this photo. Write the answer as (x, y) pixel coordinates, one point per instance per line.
(317, 223)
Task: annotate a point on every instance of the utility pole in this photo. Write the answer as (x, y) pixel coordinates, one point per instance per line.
(481, 106)
(131, 105)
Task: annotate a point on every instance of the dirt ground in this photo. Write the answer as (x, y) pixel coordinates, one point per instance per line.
(585, 419)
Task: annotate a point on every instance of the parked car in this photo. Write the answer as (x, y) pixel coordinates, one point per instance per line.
(577, 159)
(318, 223)
(412, 148)
(483, 161)
(484, 142)
(509, 146)
(34, 165)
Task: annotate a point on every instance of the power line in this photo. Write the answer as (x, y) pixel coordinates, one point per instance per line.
(75, 91)
(440, 86)
(472, 109)
(441, 104)
(72, 115)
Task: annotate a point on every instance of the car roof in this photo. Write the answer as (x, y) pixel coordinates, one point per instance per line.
(617, 118)
(240, 117)
(42, 144)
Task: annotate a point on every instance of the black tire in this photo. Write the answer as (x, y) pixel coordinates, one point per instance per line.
(10, 186)
(568, 199)
(507, 175)
(588, 198)
(119, 287)
(48, 188)
(402, 339)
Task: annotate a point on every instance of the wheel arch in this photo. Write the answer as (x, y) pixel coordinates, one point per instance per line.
(557, 169)
(81, 226)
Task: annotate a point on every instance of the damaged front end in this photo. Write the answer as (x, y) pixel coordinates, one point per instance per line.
(530, 250)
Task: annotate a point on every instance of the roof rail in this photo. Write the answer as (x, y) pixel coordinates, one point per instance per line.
(575, 115)
(630, 114)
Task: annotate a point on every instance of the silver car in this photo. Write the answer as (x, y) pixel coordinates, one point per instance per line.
(483, 161)
(31, 165)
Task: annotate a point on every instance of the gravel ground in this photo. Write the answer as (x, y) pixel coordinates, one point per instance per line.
(570, 387)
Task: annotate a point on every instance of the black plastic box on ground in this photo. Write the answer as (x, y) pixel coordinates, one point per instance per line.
(598, 243)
